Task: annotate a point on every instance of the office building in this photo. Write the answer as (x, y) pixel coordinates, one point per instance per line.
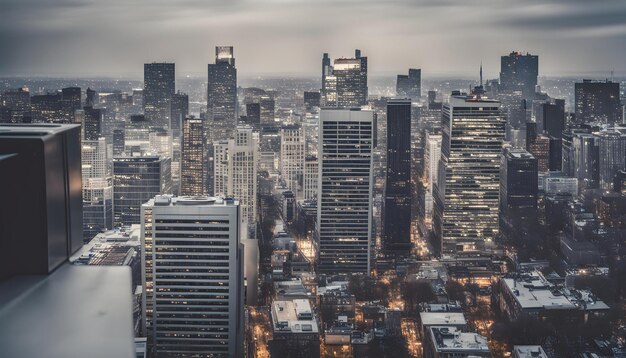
(193, 161)
(396, 233)
(597, 102)
(92, 123)
(432, 155)
(17, 104)
(586, 158)
(235, 170)
(253, 114)
(311, 167)
(466, 207)
(71, 101)
(518, 73)
(180, 111)
(553, 116)
(311, 100)
(292, 145)
(97, 188)
(344, 209)
(539, 147)
(159, 85)
(192, 277)
(344, 84)
(267, 111)
(612, 155)
(410, 85)
(135, 181)
(528, 352)
(518, 184)
(222, 87)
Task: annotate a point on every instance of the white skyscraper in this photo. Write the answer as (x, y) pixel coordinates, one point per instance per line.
(292, 146)
(192, 276)
(344, 209)
(97, 188)
(311, 167)
(235, 170)
(432, 154)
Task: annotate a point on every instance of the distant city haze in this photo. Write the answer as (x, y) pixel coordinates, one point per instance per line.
(442, 37)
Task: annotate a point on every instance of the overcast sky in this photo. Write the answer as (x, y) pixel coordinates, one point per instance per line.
(443, 37)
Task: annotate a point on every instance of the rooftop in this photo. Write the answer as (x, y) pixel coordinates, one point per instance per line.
(293, 316)
(442, 318)
(170, 200)
(450, 339)
(529, 352)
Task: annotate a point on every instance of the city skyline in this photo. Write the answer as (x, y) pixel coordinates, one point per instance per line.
(114, 38)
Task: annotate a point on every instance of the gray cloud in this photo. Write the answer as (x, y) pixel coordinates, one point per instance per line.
(115, 37)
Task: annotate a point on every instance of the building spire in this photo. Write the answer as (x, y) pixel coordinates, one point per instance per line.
(481, 73)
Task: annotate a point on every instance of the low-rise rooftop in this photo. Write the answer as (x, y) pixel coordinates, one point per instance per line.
(293, 316)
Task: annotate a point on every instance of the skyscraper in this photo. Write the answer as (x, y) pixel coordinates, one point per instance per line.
(344, 84)
(311, 167)
(221, 117)
(192, 277)
(97, 188)
(396, 233)
(612, 155)
(193, 160)
(92, 123)
(432, 154)
(180, 111)
(159, 87)
(597, 102)
(518, 184)
(344, 207)
(135, 181)
(236, 160)
(518, 72)
(410, 85)
(292, 146)
(586, 157)
(467, 192)
(222, 87)
(554, 118)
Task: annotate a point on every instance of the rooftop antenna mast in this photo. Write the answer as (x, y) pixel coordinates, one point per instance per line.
(481, 73)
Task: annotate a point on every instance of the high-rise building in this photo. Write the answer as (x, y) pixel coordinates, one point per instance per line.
(159, 85)
(518, 72)
(97, 188)
(71, 102)
(17, 103)
(253, 114)
(92, 123)
(466, 209)
(612, 155)
(193, 160)
(311, 167)
(344, 84)
(539, 147)
(311, 100)
(410, 85)
(597, 102)
(135, 181)
(192, 277)
(292, 146)
(180, 111)
(554, 118)
(222, 88)
(432, 155)
(586, 157)
(221, 117)
(236, 161)
(396, 233)
(344, 208)
(267, 104)
(518, 184)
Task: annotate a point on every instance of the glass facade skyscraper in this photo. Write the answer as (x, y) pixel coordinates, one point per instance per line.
(396, 234)
(344, 209)
(466, 205)
(159, 87)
